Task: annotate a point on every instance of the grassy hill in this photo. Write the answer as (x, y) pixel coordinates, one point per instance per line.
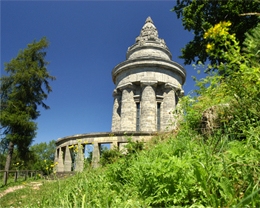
(180, 169)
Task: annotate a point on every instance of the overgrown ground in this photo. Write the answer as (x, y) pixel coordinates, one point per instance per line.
(174, 170)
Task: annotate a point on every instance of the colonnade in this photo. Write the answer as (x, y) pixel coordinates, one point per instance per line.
(143, 106)
(70, 160)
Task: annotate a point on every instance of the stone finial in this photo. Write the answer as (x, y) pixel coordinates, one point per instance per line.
(149, 19)
(149, 33)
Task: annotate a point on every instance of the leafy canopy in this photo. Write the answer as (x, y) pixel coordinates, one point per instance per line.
(200, 15)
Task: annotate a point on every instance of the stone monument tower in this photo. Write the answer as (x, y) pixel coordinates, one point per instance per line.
(147, 85)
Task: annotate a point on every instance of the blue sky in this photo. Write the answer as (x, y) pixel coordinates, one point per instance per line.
(87, 40)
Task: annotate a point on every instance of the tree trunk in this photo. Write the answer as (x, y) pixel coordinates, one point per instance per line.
(8, 160)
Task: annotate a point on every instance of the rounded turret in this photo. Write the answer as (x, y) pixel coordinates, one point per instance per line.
(148, 84)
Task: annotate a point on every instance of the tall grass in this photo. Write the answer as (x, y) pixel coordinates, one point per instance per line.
(185, 170)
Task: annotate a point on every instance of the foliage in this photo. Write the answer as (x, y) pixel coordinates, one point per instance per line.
(182, 171)
(240, 89)
(22, 91)
(109, 156)
(42, 157)
(200, 15)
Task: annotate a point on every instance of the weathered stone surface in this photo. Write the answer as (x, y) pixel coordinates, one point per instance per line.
(116, 112)
(67, 159)
(156, 83)
(79, 160)
(210, 119)
(127, 110)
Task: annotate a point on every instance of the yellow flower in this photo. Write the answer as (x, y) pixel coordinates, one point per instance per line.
(209, 47)
(52, 165)
(206, 35)
(47, 168)
(45, 161)
(17, 163)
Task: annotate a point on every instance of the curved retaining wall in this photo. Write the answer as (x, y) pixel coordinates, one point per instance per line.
(64, 152)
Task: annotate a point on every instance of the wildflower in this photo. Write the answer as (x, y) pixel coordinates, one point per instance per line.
(17, 163)
(52, 165)
(45, 161)
(47, 168)
(206, 35)
(209, 47)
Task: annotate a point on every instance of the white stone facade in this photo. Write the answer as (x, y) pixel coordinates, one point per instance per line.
(147, 85)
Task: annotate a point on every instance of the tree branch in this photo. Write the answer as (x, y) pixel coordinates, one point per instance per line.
(250, 13)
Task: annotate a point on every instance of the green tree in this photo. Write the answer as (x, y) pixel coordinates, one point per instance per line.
(42, 155)
(22, 92)
(200, 15)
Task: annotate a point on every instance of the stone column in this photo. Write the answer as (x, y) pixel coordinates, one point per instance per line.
(114, 145)
(95, 155)
(79, 160)
(116, 117)
(168, 107)
(59, 159)
(127, 108)
(148, 107)
(67, 160)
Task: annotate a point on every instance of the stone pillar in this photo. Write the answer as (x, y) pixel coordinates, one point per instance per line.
(96, 155)
(59, 159)
(127, 109)
(79, 160)
(67, 160)
(168, 107)
(148, 107)
(116, 117)
(114, 145)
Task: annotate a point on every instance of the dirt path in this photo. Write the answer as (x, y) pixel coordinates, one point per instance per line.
(33, 185)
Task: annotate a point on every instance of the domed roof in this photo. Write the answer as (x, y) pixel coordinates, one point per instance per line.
(148, 44)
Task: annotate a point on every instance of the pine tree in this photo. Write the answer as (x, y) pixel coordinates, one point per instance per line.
(22, 91)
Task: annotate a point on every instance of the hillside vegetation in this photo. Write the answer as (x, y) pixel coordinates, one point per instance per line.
(184, 168)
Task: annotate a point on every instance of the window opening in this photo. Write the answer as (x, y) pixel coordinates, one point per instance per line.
(158, 116)
(137, 116)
